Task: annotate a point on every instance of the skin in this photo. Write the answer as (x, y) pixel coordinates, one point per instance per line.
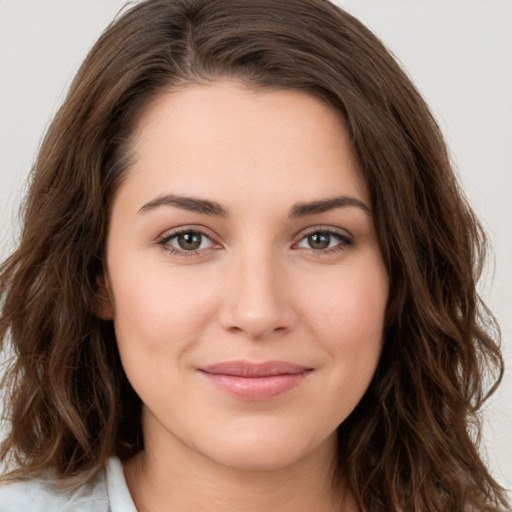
(256, 289)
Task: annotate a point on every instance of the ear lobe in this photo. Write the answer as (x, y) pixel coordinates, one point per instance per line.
(103, 301)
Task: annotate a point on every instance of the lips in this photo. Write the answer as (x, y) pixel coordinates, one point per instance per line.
(255, 381)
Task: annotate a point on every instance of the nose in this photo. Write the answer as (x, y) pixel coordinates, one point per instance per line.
(257, 298)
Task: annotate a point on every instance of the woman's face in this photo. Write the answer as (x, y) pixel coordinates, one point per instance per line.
(247, 286)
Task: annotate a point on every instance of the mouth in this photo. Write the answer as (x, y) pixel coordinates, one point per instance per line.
(255, 381)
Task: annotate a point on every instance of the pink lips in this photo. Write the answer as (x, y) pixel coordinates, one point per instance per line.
(255, 381)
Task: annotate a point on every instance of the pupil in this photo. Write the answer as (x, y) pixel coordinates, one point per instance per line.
(319, 240)
(189, 241)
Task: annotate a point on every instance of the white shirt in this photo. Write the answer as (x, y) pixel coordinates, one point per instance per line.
(108, 493)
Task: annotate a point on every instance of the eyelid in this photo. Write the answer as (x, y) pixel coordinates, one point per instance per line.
(168, 233)
(324, 229)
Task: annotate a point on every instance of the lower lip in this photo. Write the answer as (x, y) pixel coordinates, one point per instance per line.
(256, 388)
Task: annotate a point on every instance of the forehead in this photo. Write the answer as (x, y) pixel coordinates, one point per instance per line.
(204, 139)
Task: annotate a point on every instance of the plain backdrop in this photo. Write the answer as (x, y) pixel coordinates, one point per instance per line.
(458, 52)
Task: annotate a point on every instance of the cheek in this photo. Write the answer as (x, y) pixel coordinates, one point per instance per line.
(352, 300)
(159, 322)
(157, 309)
(349, 320)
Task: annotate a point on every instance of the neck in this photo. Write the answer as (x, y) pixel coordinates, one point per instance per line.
(179, 479)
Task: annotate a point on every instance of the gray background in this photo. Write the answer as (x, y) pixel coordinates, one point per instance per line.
(458, 52)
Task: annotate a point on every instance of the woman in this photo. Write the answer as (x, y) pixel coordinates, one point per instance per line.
(246, 279)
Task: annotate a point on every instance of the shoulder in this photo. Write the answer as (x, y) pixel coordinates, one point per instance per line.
(41, 494)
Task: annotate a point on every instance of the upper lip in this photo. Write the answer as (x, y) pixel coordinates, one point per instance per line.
(249, 369)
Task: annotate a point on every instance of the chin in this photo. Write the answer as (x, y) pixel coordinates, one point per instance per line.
(269, 452)
(256, 459)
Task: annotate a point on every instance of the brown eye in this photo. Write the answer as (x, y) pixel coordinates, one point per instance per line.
(189, 241)
(319, 240)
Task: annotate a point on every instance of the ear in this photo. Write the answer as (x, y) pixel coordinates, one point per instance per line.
(103, 306)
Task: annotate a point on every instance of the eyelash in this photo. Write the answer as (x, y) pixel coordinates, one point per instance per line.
(344, 241)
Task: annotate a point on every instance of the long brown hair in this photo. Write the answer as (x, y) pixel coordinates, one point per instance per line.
(412, 442)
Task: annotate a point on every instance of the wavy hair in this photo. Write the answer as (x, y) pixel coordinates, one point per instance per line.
(412, 442)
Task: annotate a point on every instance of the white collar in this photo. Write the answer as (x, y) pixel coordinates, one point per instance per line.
(119, 496)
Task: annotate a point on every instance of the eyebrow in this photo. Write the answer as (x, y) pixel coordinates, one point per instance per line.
(192, 204)
(213, 208)
(324, 205)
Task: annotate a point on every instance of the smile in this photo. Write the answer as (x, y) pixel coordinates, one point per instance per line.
(255, 381)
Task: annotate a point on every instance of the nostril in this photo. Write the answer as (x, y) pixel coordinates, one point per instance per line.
(258, 334)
